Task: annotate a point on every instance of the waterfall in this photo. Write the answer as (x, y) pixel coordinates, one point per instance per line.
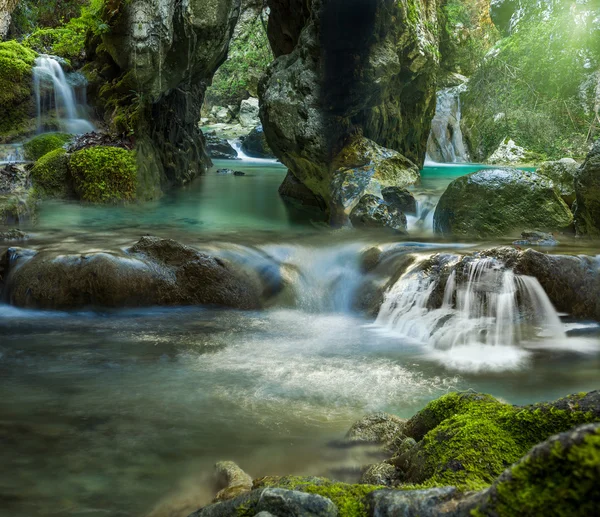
(55, 90)
(445, 144)
(486, 305)
(237, 145)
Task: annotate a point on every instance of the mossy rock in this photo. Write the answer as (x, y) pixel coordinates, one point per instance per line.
(43, 144)
(499, 203)
(470, 439)
(104, 174)
(16, 87)
(51, 175)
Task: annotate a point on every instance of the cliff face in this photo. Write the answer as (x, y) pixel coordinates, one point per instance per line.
(358, 69)
(162, 54)
(6, 9)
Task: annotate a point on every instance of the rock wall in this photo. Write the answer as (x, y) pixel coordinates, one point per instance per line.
(152, 69)
(6, 9)
(587, 190)
(359, 69)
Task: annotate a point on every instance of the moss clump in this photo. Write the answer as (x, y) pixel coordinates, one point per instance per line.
(16, 96)
(43, 144)
(476, 438)
(50, 174)
(350, 499)
(104, 174)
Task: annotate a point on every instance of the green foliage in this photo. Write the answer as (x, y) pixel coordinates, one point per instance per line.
(541, 79)
(104, 174)
(477, 438)
(50, 174)
(249, 56)
(32, 14)
(43, 144)
(16, 63)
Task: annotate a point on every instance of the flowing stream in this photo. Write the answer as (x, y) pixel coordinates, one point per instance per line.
(125, 412)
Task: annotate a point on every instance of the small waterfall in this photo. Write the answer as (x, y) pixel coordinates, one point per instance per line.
(485, 305)
(445, 144)
(237, 145)
(54, 90)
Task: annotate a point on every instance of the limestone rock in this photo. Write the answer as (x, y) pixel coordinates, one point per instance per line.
(499, 202)
(401, 199)
(6, 9)
(373, 212)
(587, 188)
(562, 173)
(382, 474)
(507, 153)
(248, 114)
(292, 189)
(377, 428)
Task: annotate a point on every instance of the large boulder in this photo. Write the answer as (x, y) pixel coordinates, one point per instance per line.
(562, 172)
(362, 71)
(508, 153)
(587, 189)
(249, 110)
(295, 191)
(500, 202)
(219, 148)
(372, 212)
(255, 144)
(152, 272)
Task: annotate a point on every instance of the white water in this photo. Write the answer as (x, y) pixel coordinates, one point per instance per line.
(446, 144)
(53, 90)
(237, 145)
(485, 322)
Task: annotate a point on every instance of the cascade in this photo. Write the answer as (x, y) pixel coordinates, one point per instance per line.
(64, 93)
(237, 145)
(445, 144)
(486, 305)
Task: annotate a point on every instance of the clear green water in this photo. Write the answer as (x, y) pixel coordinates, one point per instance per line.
(125, 412)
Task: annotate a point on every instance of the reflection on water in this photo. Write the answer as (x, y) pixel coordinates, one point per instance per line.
(124, 413)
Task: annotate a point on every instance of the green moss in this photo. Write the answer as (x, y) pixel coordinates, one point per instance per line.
(350, 499)
(16, 97)
(476, 440)
(43, 144)
(104, 174)
(50, 174)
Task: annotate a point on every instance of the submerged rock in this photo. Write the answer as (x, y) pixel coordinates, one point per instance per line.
(562, 173)
(498, 202)
(372, 211)
(587, 188)
(152, 272)
(255, 144)
(536, 239)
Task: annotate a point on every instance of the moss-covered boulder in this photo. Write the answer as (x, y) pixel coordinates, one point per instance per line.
(500, 202)
(43, 144)
(16, 89)
(467, 440)
(50, 174)
(587, 188)
(104, 174)
(562, 172)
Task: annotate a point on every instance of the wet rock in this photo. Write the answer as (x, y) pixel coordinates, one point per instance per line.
(377, 428)
(295, 191)
(98, 138)
(13, 235)
(248, 115)
(562, 173)
(152, 272)
(498, 202)
(536, 239)
(17, 198)
(255, 144)
(382, 474)
(230, 171)
(412, 503)
(587, 188)
(372, 211)
(221, 114)
(219, 148)
(401, 199)
(231, 481)
(507, 153)
(276, 501)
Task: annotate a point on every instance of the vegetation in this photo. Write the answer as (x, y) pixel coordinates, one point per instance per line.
(104, 174)
(50, 174)
(538, 86)
(43, 144)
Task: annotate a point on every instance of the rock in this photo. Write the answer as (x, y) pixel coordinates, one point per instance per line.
(221, 114)
(562, 173)
(13, 235)
(293, 190)
(219, 148)
(6, 9)
(372, 211)
(498, 202)
(231, 481)
(50, 175)
(152, 272)
(412, 503)
(275, 501)
(248, 114)
(559, 475)
(377, 428)
(507, 153)
(401, 199)
(95, 139)
(43, 144)
(230, 171)
(381, 474)
(345, 81)
(255, 144)
(536, 239)
(587, 189)
(17, 198)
